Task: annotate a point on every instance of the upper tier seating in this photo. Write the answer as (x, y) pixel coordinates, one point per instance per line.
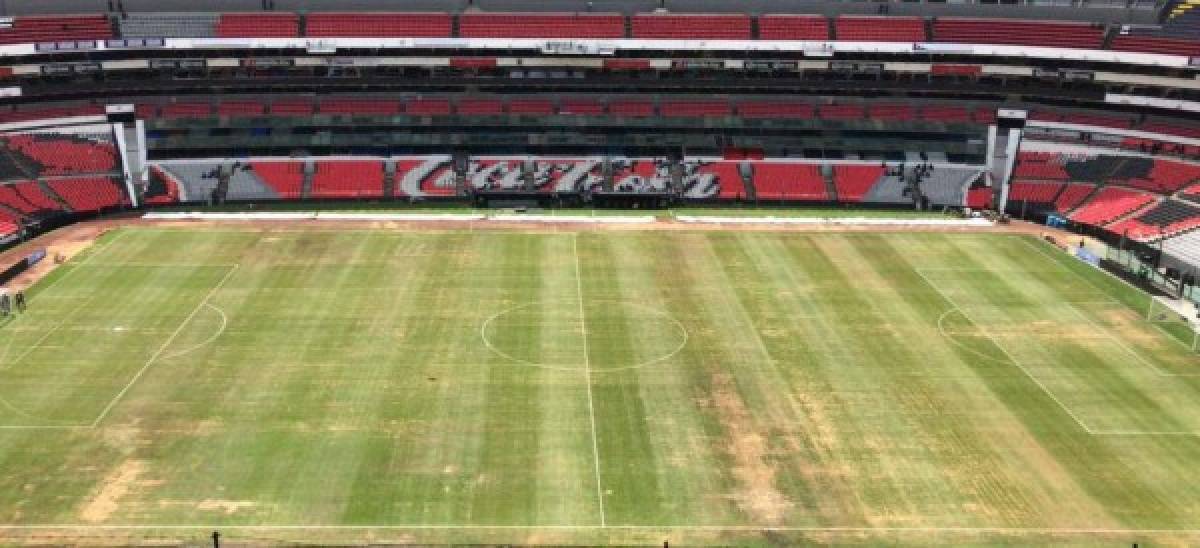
(631, 107)
(348, 179)
(480, 107)
(258, 25)
(378, 107)
(879, 29)
(43, 113)
(56, 29)
(581, 106)
(285, 178)
(89, 193)
(695, 108)
(854, 181)
(1154, 44)
(691, 27)
(776, 109)
(1040, 166)
(541, 25)
(540, 107)
(185, 110)
(241, 108)
(58, 154)
(784, 181)
(292, 107)
(432, 106)
(1016, 32)
(365, 25)
(793, 27)
(168, 25)
(1108, 204)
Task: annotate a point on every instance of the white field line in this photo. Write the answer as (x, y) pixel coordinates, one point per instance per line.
(220, 330)
(1014, 361)
(682, 528)
(87, 260)
(587, 371)
(1157, 370)
(116, 399)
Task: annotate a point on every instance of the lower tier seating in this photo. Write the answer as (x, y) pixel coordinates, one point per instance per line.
(854, 182)
(89, 193)
(347, 179)
(285, 178)
(1109, 204)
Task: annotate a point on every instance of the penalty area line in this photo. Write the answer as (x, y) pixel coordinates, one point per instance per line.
(120, 395)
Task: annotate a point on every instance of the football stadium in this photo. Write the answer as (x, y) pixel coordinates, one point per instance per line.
(599, 272)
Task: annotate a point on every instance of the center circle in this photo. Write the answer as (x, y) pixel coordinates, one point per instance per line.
(599, 335)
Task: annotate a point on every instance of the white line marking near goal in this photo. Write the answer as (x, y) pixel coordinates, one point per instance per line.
(1014, 361)
(213, 337)
(116, 399)
(587, 371)
(1157, 370)
(683, 528)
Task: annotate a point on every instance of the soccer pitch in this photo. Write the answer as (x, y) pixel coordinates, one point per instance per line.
(593, 387)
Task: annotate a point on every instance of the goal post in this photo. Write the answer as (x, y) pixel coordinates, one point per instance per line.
(1175, 318)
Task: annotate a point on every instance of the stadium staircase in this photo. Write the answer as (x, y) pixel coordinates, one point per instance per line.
(832, 30)
(830, 185)
(389, 178)
(1137, 212)
(49, 192)
(748, 185)
(628, 27)
(754, 32)
(928, 22)
(18, 162)
(307, 182)
(1109, 34)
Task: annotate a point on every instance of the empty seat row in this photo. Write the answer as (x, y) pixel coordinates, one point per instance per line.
(1017, 32)
(1108, 204)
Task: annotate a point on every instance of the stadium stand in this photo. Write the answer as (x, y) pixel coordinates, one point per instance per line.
(793, 27)
(1017, 32)
(379, 107)
(161, 188)
(1166, 218)
(776, 109)
(258, 25)
(57, 28)
(58, 154)
(285, 178)
(1072, 195)
(879, 29)
(347, 179)
(1035, 192)
(853, 182)
(365, 25)
(786, 181)
(541, 25)
(89, 193)
(168, 25)
(1108, 204)
(691, 27)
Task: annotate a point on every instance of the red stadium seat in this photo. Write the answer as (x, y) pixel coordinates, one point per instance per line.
(258, 25)
(89, 193)
(365, 25)
(793, 27)
(285, 178)
(541, 25)
(853, 182)
(691, 27)
(348, 179)
(1017, 32)
(56, 29)
(880, 29)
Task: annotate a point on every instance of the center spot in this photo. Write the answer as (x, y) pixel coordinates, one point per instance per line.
(610, 335)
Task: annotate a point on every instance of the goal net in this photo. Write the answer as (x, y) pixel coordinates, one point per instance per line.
(1177, 318)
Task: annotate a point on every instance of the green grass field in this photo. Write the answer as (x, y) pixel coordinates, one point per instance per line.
(624, 387)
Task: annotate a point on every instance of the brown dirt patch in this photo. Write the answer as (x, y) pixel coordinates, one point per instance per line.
(758, 496)
(114, 487)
